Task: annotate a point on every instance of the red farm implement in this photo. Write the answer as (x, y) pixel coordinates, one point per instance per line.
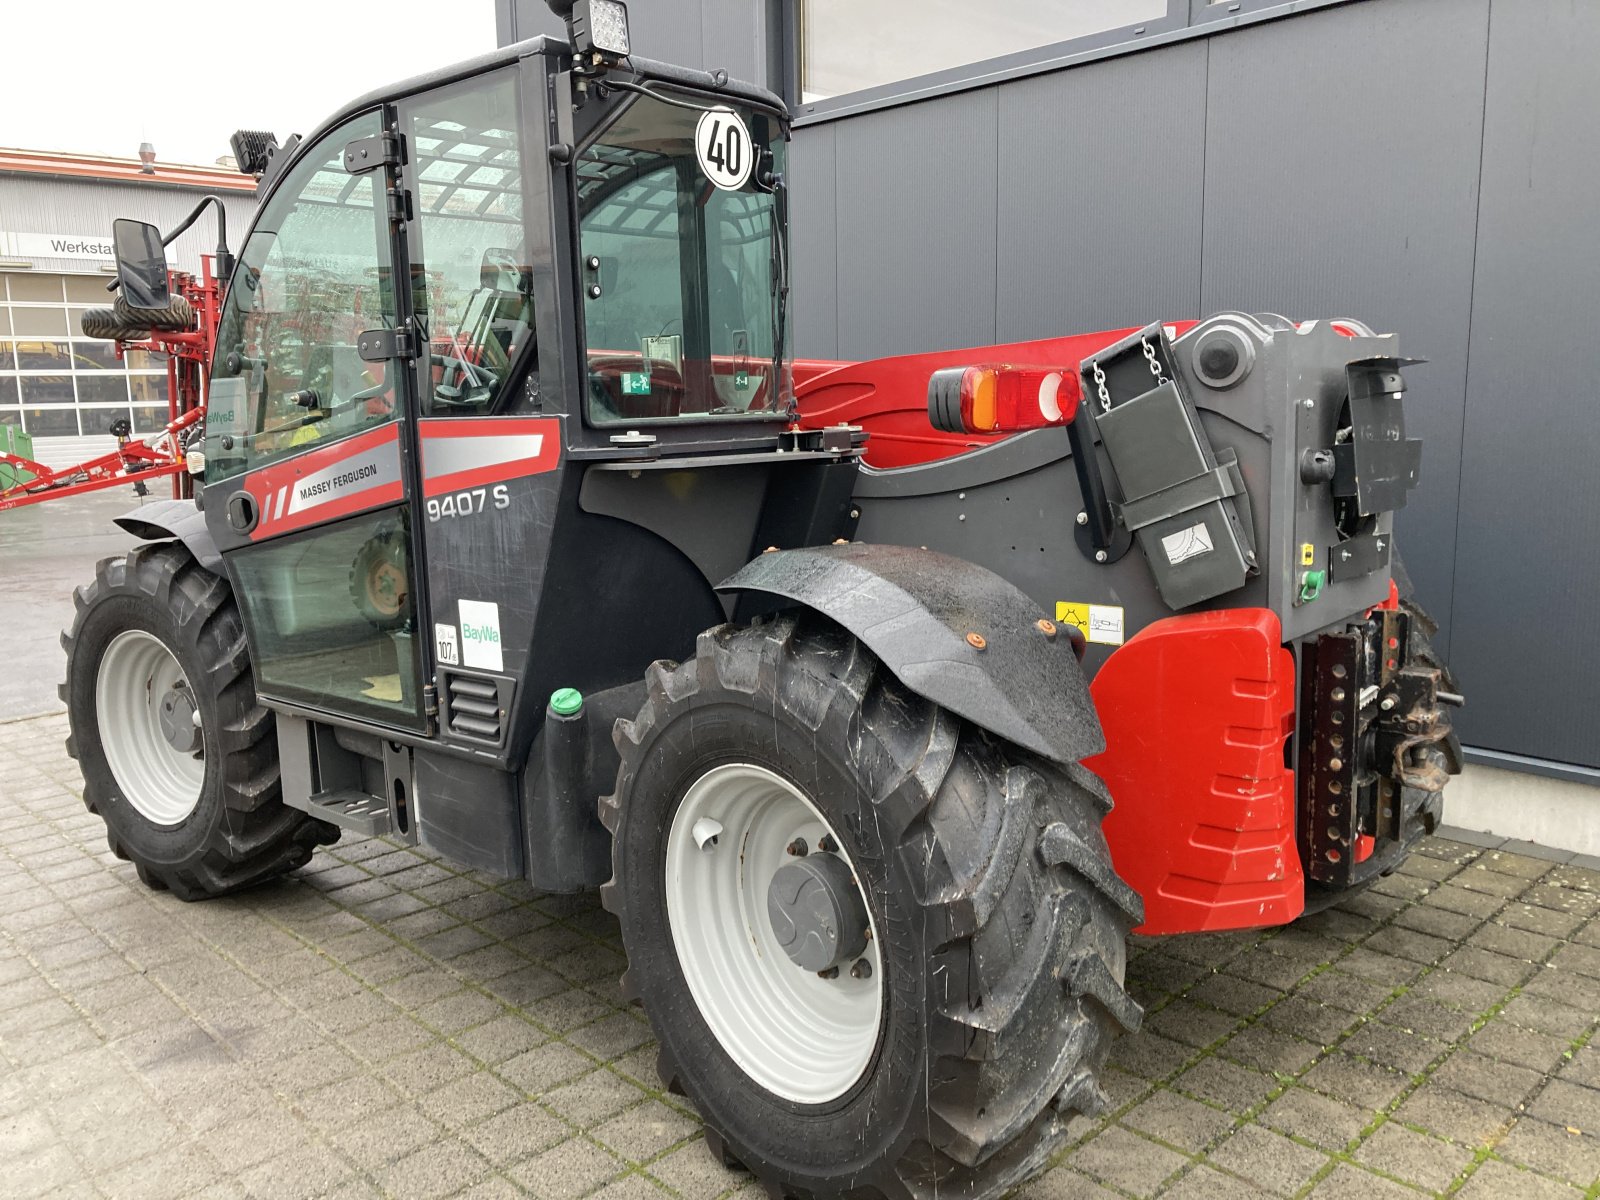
(183, 334)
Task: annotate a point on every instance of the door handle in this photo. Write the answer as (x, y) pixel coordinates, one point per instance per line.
(243, 512)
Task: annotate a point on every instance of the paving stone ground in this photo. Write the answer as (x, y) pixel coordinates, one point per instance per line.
(383, 1024)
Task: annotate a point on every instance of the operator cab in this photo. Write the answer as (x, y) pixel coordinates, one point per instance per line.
(485, 330)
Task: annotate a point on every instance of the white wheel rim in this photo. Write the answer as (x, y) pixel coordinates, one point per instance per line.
(161, 782)
(800, 1036)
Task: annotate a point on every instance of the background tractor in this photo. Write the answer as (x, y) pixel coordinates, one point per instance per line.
(522, 536)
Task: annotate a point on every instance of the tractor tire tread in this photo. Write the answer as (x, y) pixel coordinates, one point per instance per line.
(1028, 933)
(258, 837)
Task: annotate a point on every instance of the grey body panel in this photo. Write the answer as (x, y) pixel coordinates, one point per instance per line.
(915, 610)
(163, 519)
(1010, 506)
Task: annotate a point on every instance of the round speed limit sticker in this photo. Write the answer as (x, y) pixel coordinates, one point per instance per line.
(722, 144)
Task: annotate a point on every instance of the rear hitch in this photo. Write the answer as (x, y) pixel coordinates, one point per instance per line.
(1372, 725)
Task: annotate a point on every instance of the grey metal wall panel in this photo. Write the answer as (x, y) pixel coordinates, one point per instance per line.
(667, 32)
(1101, 173)
(1341, 180)
(710, 34)
(813, 242)
(733, 38)
(916, 238)
(1528, 565)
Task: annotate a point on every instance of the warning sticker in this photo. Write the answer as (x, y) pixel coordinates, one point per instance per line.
(1187, 543)
(1100, 623)
(445, 645)
(480, 634)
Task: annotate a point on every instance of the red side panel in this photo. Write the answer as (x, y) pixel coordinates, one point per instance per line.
(888, 397)
(1196, 710)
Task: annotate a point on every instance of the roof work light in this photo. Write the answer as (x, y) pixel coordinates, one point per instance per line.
(595, 27)
(1001, 399)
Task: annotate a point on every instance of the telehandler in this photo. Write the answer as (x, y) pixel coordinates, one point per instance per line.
(520, 534)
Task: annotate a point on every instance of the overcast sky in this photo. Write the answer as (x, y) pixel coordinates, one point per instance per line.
(101, 77)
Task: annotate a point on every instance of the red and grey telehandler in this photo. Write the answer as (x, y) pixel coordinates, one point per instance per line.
(880, 700)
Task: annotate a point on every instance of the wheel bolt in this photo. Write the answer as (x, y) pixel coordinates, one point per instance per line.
(827, 845)
(862, 969)
(798, 848)
(830, 973)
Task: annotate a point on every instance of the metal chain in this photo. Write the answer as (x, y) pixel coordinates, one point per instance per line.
(1100, 384)
(1150, 357)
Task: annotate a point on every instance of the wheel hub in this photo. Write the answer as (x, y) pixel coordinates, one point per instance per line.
(145, 715)
(817, 913)
(177, 715)
(761, 929)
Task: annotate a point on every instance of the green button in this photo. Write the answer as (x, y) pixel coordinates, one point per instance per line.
(566, 701)
(1311, 585)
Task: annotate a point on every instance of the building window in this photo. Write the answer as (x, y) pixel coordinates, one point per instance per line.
(847, 46)
(54, 382)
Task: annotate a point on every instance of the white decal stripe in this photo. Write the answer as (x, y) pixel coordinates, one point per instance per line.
(471, 452)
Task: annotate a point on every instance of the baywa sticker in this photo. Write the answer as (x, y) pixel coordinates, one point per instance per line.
(723, 147)
(480, 634)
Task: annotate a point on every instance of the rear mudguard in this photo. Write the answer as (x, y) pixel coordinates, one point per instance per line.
(180, 519)
(950, 631)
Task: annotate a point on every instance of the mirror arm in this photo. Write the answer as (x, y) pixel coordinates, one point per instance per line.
(223, 255)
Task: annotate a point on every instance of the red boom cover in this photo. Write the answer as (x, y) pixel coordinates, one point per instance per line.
(1196, 710)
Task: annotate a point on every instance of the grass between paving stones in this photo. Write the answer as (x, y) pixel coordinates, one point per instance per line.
(555, 910)
(1382, 1115)
(649, 1088)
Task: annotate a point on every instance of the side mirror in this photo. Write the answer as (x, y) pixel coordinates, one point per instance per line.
(141, 264)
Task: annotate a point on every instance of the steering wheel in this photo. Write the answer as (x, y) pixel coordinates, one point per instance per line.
(448, 394)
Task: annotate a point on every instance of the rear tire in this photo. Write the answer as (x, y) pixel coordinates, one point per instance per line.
(233, 829)
(999, 923)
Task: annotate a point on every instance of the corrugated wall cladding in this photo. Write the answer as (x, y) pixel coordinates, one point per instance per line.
(1527, 567)
(56, 204)
(1428, 166)
(726, 34)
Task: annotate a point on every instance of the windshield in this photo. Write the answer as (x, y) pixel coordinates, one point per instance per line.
(681, 269)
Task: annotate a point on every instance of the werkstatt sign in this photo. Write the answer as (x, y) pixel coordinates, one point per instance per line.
(82, 246)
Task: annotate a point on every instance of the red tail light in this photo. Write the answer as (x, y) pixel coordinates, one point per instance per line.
(1001, 399)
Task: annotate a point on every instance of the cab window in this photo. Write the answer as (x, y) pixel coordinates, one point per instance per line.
(315, 272)
(472, 282)
(682, 272)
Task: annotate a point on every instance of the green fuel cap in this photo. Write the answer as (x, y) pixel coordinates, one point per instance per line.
(566, 701)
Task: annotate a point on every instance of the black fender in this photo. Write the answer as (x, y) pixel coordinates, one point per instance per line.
(950, 631)
(164, 520)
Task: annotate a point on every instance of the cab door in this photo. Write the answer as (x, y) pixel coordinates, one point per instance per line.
(309, 446)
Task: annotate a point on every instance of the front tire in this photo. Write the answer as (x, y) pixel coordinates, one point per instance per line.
(997, 923)
(178, 758)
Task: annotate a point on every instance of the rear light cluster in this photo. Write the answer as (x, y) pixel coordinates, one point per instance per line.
(1002, 399)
